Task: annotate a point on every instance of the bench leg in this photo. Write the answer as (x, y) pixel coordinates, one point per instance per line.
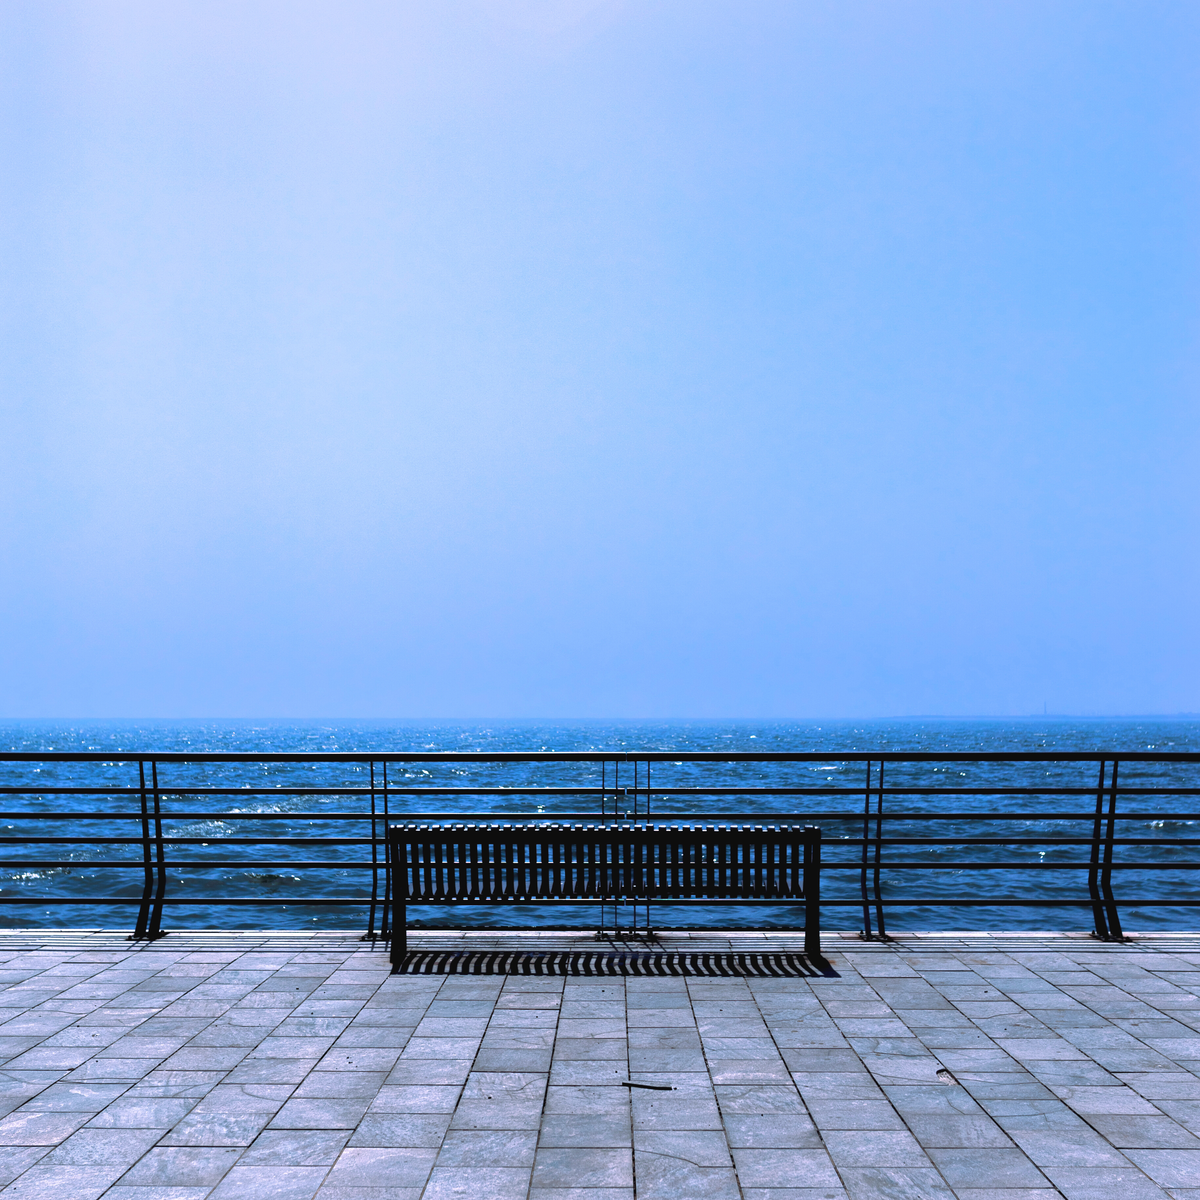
(399, 946)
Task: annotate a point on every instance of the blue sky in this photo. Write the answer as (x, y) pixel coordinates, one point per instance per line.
(576, 358)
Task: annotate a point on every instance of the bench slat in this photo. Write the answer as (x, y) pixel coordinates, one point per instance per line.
(460, 864)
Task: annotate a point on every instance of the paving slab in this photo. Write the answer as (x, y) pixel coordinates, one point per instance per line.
(955, 1065)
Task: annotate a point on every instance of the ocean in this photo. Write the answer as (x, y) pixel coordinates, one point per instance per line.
(82, 878)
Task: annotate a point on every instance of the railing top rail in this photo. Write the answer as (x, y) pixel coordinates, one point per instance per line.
(608, 756)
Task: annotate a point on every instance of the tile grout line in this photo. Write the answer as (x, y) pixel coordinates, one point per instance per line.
(904, 1119)
(796, 1086)
(939, 1059)
(537, 1145)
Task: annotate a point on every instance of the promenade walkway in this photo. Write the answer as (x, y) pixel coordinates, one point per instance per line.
(290, 1066)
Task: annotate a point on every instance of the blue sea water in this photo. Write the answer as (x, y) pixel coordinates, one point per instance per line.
(83, 877)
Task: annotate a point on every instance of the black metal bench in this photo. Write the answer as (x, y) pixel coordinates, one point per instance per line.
(599, 864)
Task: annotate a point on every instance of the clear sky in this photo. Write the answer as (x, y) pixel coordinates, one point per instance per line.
(581, 358)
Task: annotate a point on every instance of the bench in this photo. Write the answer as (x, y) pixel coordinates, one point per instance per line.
(599, 864)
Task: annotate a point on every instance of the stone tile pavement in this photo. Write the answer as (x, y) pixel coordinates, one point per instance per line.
(291, 1066)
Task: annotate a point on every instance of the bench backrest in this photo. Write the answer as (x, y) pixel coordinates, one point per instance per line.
(580, 862)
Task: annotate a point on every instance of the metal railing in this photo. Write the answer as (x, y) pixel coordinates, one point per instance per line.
(900, 821)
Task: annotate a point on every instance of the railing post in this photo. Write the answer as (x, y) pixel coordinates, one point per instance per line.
(385, 928)
(155, 929)
(606, 844)
(1098, 915)
(143, 917)
(883, 936)
(399, 946)
(653, 865)
(866, 933)
(1114, 921)
(369, 936)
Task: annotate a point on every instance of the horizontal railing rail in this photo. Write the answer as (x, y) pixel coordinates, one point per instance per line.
(318, 821)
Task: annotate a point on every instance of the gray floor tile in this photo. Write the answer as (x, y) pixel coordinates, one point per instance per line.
(748, 1071)
(205, 1058)
(281, 1047)
(217, 1129)
(62, 1183)
(522, 1058)
(175, 1085)
(667, 1111)
(311, 1027)
(531, 1040)
(40, 1128)
(367, 1167)
(401, 1129)
(182, 1166)
(296, 1147)
(245, 1098)
(339, 1085)
(271, 1070)
(15, 1159)
(488, 1148)
(874, 1148)
(358, 1059)
(1066, 1147)
(107, 1147)
(274, 1182)
(1168, 1168)
(79, 1097)
(772, 1131)
(497, 1113)
(836, 1085)
(597, 1101)
(575, 1167)
(1145, 1132)
(1113, 1100)
(603, 1131)
(228, 1035)
(429, 1072)
(48, 1059)
(576, 1072)
(740, 1048)
(1164, 1085)
(320, 1114)
(759, 1099)
(111, 1070)
(413, 1099)
(948, 1130)
(651, 1059)
(592, 1048)
(814, 1060)
(1103, 1183)
(695, 1147)
(390, 1037)
(895, 1183)
(986, 1168)
(478, 1183)
(1005, 1086)
(670, 1177)
(1000, 1193)
(783, 1168)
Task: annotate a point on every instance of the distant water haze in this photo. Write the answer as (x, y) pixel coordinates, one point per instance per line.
(567, 358)
(928, 734)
